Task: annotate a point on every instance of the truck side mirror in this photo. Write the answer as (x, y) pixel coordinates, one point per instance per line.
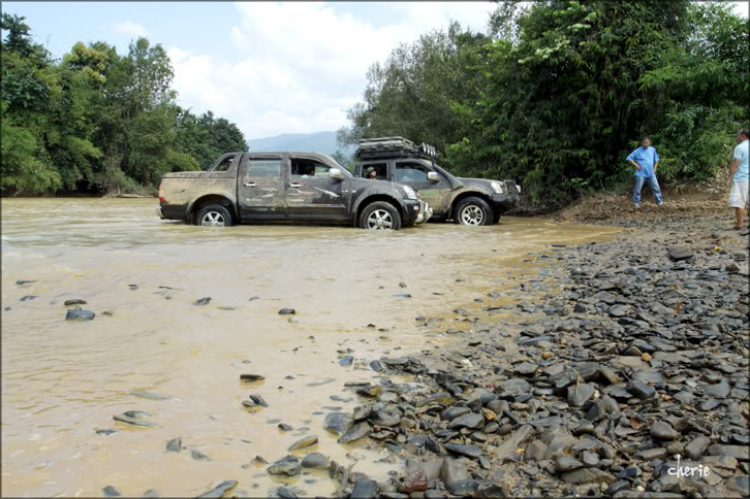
(336, 174)
(433, 176)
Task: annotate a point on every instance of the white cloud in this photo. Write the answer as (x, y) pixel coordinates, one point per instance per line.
(130, 28)
(297, 67)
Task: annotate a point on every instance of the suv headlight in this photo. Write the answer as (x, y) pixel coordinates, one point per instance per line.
(410, 194)
(497, 187)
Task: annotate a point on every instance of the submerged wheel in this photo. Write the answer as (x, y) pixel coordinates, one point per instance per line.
(380, 215)
(214, 215)
(473, 211)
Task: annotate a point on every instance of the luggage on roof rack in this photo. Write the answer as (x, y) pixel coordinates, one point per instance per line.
(389, 147)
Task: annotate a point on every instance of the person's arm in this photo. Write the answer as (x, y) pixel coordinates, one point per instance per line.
(632, 161)
(656, 160)
(732, 170)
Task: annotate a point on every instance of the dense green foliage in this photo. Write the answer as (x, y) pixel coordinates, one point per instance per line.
(97, 121)
(559, 92)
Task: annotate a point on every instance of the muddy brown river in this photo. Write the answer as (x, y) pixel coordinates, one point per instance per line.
(63, 381)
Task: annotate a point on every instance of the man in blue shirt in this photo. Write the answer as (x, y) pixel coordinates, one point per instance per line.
(739, 178)
(646, 160)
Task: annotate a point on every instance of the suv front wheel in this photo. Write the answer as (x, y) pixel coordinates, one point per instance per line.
(380, 215)
(473, 211)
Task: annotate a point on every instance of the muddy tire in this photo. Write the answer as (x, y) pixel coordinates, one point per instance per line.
(473, 211)
(214, 215)
(496, 218)
(380, 215)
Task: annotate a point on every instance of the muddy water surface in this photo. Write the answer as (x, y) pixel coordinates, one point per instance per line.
(62, 381)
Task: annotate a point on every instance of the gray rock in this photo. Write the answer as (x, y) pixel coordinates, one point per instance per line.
(567, 463)
(471, 420)
(588, 475)
(356, 432)
(386, 417)
(134, 418)
(590, 460)
(453, 412)
(664, 431)
(678, 253)
(465, 450)
(220, 489)
(110, 491)
(174, 445)
(315, 460)
(346, 360)
(337, 423)
(198, 455)
(739, 484)
(287, 311)
(516, 386)
(535, 451)
(203, 301)
(75, 301)
(739, 452)
(525, 368)
(365, 488)
(150, 395)
(79, 315)
(285, 493)
(508, 448)
(150, 493)
(697, 447)
(719, 390)
(289, 466)
(640, 389)
(651, 454)
(452, 472)
(579, 394)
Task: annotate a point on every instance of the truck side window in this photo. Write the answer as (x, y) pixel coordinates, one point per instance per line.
(264, 168)
(225, 164)
(375, 171)
(411, 172)
(302, 167)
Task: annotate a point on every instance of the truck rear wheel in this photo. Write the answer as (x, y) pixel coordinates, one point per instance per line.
(380, 215)
(473, 211)
(214, 215)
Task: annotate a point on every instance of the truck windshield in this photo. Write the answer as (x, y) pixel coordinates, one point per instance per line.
(335, 164)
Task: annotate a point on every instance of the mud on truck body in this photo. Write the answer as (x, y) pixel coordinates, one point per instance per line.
(280, 187)
(467, 201)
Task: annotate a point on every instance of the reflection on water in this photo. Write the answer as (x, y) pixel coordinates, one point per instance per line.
(62, 381)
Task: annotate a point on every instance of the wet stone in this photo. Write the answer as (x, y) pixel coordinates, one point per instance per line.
(525, 368)
(315, 460)
(198, 455)
(641, 389)
(359, 430)
(29, 297)
(287, 311)
(567, 463)
(110, 491)
(220, 489)
(134, 418)
(346, 360)
(471, 420)
(365, 488)
(471, 451)
(289, 466)
(679, 253)
(174, 445)
(203, 301)
(304, 442)
(79, 315)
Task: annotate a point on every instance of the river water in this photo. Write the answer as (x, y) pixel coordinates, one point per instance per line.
(62, 381)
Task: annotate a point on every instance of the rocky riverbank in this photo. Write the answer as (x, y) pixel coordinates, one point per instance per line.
(630, 382)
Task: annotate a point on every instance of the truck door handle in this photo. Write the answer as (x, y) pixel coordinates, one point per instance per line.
(294, 185)
(249, 184)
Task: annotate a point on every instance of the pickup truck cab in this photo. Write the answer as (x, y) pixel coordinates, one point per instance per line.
(467, 201)
(243, 187)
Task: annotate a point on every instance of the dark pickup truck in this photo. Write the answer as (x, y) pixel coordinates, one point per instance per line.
(286, 187)
(467, 201)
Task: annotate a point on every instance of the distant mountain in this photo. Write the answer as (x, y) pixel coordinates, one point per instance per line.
(320, 142)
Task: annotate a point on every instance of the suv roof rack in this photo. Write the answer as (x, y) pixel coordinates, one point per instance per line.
(389, 147)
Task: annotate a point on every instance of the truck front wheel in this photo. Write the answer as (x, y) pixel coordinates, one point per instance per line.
(380, 215)
(214, 215)
(473, 211)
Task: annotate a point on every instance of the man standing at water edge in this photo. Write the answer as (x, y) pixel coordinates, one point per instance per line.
(739, 178)
(646, 160)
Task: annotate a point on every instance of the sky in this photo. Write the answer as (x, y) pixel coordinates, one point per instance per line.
(269, 67)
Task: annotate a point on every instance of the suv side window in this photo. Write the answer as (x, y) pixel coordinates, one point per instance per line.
(263, 167)
(407, 171)
(375, 171)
